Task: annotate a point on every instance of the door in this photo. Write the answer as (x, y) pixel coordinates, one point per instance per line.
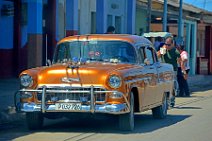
(152, 75)
(115, 21)
(147, 95)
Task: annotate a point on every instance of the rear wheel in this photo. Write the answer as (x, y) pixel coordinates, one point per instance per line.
(126, 121)
(34, 120)
(160, 112)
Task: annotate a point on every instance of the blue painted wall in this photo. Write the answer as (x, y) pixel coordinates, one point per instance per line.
(35, 9)
(100, 16)
(72, 15)
(6, 29)
(23, 36)
(131, 9)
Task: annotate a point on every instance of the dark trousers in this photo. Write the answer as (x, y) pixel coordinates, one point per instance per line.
(183, 84)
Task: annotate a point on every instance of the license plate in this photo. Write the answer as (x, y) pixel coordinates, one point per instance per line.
(68, 106)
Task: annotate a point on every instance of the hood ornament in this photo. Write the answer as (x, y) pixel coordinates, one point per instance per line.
(68, 79)
(74, 65)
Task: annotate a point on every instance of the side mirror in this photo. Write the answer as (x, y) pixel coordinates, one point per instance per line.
(146, 61)
(48, 63)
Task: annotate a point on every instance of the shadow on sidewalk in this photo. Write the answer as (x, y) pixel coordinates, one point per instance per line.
(200, 83)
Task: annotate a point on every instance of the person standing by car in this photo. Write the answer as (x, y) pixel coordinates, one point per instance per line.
(169, 54)
(184, 70)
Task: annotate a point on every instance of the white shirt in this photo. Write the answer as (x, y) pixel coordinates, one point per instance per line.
(184, 56)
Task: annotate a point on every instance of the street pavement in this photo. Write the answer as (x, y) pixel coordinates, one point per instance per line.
(8, 87)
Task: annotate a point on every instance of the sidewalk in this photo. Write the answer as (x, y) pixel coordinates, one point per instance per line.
(9, 86)
(199, 82)
(7, 110)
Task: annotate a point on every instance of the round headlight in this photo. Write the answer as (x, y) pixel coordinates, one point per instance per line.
(26, 80)
(114, 81)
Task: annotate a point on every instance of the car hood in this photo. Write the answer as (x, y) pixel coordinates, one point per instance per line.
(86, 74)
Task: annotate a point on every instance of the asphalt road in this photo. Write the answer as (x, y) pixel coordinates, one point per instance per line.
(190, 120)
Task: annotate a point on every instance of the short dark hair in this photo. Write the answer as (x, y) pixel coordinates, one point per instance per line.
(110, 29)
(170, 37)
(182, 47)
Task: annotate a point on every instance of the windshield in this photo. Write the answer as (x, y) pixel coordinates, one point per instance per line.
(106, 51)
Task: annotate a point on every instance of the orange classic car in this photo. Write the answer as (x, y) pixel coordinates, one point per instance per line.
(111, 74)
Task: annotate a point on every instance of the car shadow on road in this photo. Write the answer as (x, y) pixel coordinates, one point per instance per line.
(143, 124)
(188, 108)
(146, 123)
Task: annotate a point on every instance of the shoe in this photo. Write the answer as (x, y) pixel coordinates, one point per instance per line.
(172, 101)
(187, 96)
(180, 96)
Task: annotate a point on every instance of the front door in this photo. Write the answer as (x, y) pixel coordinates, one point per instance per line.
(150, 79)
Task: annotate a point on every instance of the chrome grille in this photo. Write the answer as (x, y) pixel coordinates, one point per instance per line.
(81, 94)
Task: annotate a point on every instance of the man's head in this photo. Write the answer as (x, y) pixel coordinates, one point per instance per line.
(169, 43)
(111, 29)
(180, 47)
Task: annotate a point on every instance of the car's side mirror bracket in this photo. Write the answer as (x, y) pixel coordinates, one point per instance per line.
(48, 62)
(146, 61)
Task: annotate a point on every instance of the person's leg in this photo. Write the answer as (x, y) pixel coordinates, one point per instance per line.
(185, 86)
(172, 100)
(180, 82)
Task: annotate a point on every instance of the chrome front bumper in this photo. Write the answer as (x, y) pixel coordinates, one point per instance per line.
(106, 108)
(92, 107)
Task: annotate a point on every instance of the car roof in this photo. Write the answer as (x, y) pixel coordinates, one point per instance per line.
(133, 39)
(157, 34)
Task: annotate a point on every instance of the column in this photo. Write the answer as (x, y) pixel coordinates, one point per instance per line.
(194, 47)
(131, 8)
(191, 44)
(165, 16)
(85, 17)
(180, 22)
(188, 37)
(35, 11)
(71, 17)
(100, 16)
(209, 31)
(23, 37)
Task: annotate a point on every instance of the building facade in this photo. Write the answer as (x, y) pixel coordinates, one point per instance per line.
(196, 29)
(30, 29)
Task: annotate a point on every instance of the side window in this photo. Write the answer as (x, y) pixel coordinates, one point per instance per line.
(149, 55)
(142, 54)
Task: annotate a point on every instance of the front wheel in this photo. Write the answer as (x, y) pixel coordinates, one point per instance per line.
(126, 121)
(160, 112)
(34, 120)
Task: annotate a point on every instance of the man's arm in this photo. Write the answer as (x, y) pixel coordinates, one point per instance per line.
(159, 54)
